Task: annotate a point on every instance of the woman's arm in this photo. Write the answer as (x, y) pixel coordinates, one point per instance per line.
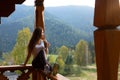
(27, 58)
(47, 44)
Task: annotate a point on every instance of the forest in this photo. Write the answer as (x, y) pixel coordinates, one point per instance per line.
(69, 58)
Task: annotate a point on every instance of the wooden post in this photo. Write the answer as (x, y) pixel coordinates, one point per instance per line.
(37, 75)
(107, 38)
(107, 53)
(39, 13)
(39, 22)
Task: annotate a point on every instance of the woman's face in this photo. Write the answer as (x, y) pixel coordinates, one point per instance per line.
(43, 35)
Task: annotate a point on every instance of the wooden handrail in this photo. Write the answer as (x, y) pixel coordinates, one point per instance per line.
(14, 67)
(26, 71)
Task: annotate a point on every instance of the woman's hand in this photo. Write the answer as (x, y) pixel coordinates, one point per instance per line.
(47, 44)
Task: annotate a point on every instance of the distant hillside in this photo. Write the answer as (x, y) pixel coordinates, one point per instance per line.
(58, 32)
(80, 17)
(22, 17)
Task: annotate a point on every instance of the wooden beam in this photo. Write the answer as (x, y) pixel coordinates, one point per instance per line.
(107, 13)
(6, 9)
(39, 13)
(19, 1)
(0, 20)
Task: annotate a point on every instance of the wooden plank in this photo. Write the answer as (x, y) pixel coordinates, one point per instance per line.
(6, 9)
(19, 1)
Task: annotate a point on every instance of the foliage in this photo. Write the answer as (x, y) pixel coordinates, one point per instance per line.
(63, 52)
(52, 59)
(81, 55)
(61, 63)
(69, 64)
(92, 51)
(0, 53)
(69, 59)
(68, 69)
(18, 54)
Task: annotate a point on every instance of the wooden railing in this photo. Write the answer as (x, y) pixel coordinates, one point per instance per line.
(25, 72)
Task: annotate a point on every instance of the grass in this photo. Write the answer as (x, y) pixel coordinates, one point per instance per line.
(87, 73)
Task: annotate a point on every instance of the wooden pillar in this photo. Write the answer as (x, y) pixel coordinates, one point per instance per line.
(107, 38)
(39, 13)
(37, 75)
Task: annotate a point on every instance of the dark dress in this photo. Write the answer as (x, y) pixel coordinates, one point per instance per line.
(39, 61)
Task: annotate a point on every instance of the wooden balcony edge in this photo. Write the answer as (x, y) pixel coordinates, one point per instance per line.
(13, 67)
(20, 67)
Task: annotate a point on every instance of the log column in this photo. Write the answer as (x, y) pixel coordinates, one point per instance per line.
(39, 22)
(107, 38)
(39, 13)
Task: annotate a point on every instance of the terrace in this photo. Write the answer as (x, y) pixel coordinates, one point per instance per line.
(106, 37)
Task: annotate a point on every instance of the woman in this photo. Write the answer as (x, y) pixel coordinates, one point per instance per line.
(37, 49)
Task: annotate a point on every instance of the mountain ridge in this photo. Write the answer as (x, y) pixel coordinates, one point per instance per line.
(54, 26)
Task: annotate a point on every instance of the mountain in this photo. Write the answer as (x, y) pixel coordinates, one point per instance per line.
(58, 31)
(80, 17)
(22, 17)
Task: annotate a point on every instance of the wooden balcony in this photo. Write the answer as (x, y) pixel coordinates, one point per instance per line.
(25, 73)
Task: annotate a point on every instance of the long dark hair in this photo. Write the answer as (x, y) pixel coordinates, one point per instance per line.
(34, 39)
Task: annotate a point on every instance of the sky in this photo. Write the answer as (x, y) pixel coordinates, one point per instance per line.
(54, 3)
